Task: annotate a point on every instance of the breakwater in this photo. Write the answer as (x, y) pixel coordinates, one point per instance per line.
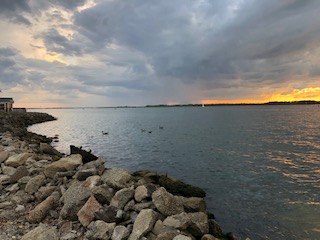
(46, 195)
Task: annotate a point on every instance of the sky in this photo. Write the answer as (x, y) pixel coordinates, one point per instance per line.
(99, 53)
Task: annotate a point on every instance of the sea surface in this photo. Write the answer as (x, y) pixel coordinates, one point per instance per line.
(260, 165)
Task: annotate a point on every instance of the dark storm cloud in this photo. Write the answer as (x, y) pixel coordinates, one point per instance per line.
(254, 41)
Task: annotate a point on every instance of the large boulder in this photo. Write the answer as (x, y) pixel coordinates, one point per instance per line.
(17, 160)
(43, 231)
(122, 197)
(86, 213)
(143, 224)
(74, 198)
(144, 191)
(166, 203)
(64, 164)
(199, 225)
(117, 178)
(179, 221)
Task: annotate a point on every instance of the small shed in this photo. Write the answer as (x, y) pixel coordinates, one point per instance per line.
(6, 104)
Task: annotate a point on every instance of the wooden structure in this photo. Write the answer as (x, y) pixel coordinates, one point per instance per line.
(6, 104)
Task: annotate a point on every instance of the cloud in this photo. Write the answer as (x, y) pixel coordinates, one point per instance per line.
(157, 50)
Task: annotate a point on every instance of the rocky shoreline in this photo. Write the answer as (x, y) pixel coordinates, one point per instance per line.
(45, 195)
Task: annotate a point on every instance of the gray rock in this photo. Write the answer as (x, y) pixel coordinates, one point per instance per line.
(84, 174)
(117, 178)
(43, 208)
(20, 208)
(3, 156)
(4, 179)
(122, 197)
(8, 170)
(64, 164)
(21, 171)
(166, 203)
(179, 221)
(143, 224)
(17, 160)
(74, 198)
(139, 206)
(181, 237)
(86, 213)
(193, 204)
(48, 149)
(144, 191)
(44, 192)
(120, 233)
(5, 204)
(100, 230)
(168, 233)
(34, 184)
(198, 224)
(209, 237)
(215, 229)
(103, 193)
(43, 231)
(92, 182)
(109, 214)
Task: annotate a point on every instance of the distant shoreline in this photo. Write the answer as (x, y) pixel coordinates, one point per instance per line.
(304, 102)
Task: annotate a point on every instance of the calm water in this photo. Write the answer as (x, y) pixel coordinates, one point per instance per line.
(260, 165)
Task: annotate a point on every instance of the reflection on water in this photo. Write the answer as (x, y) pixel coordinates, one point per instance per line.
(259, 164)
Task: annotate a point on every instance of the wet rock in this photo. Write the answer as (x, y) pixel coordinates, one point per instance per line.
(198, 224)
(122, 197)
(17, 160)
(166, 203)
(117, 178)
(231, 236)
(144, 191)
(86, 156)
(215, 229)
(64, 164)
(48, 149)
(74, 198)
(86, 213)
(120, 233)
(143, 223)
(43, 231)
(19, 173)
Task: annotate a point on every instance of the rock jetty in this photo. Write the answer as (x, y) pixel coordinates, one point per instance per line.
(45, 195)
